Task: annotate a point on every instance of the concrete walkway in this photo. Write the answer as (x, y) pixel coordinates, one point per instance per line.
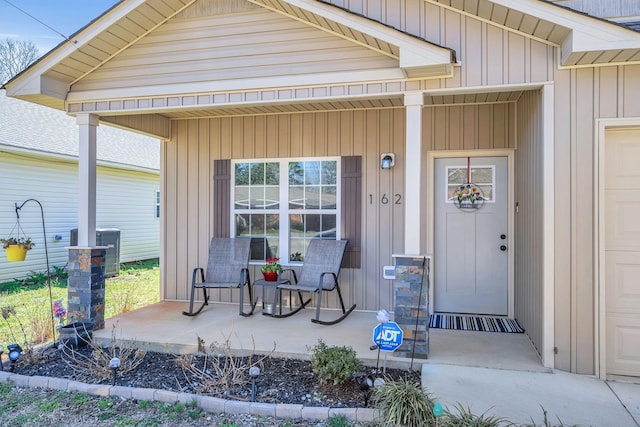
(519, 396)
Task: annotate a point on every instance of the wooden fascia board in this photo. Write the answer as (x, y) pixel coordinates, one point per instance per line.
(413, 52)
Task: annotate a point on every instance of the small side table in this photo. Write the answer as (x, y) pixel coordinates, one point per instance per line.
(270, 307)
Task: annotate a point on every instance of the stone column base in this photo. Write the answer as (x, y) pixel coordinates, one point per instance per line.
(86, 285)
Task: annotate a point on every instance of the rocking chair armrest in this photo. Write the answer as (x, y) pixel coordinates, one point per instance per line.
(321, 282)
(194, 276)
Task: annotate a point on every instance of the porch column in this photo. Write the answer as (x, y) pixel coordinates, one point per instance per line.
(413, 102)
(86, 283)
(87, 124)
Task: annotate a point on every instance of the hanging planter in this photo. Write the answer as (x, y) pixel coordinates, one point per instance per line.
(16, 248)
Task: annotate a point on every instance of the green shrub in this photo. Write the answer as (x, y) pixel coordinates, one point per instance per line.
(463, 417)
(403, 403)
(338, 421)
(333, 363)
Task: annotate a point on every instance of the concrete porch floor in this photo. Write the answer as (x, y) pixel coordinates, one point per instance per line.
(499, 374)
(162, 327)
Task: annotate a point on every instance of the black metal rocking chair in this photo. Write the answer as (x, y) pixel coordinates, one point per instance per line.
(319, 274)
(227, 268)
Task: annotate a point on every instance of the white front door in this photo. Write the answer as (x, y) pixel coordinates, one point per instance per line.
(622, 251)
(470, 255)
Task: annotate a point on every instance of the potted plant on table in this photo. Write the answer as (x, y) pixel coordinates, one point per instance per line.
(16, 247)
(271, 269)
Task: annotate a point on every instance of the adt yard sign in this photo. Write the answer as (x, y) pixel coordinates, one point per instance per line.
(388, 336)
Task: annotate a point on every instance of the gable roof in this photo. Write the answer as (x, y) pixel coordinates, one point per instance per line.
(37, 129)
(582, 40)
(51, 79)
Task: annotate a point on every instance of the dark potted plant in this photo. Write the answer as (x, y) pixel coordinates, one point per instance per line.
(16, 247)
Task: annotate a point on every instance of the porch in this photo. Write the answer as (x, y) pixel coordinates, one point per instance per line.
(161, 327)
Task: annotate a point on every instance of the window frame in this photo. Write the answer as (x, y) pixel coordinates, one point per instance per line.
(493, 181)
(284, 211)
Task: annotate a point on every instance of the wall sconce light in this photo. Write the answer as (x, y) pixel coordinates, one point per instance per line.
(387, 160)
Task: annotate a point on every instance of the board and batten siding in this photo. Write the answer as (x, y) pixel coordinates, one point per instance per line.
(188, 182)
(249, 45)
(125, 200)
(488, 55)
(188, 185)
(581, 96)
(528, 217)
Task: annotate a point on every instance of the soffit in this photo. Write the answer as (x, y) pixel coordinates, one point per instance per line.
(584, 40)
(287, 108)
(472, 98)
(396, 101)
(113, 39)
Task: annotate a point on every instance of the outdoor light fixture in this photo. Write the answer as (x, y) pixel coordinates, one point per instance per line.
(254, 372)
(14, 353)
(387, 160)
(114, 364)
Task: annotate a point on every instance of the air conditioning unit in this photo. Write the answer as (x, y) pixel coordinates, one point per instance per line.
(109, 237)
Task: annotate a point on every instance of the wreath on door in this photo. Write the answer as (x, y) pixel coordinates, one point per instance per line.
(469, 196)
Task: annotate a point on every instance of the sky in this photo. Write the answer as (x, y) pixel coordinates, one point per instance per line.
(65, 16)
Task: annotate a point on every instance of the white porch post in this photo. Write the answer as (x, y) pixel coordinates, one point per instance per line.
(87, 124)
(413, 177)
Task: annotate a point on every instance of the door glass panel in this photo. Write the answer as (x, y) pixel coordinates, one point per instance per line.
(482, 176)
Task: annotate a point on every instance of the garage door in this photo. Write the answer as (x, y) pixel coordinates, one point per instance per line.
(622, 251)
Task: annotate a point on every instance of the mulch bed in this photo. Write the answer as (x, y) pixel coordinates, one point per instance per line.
(281, 380)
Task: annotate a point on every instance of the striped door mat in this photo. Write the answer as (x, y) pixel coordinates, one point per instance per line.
(474, 323)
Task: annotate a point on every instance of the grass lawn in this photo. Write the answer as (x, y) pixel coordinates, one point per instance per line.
(25, 305)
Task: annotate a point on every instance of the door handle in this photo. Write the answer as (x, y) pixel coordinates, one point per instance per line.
(503, 248)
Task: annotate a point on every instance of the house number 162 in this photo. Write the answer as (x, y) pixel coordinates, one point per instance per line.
(385, 199)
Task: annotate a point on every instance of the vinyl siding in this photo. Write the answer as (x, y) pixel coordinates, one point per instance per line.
(197, 143)
(248, 45)
(188, 182)
(125, 200)
(488, 54)
(581, 96)
(528, 218)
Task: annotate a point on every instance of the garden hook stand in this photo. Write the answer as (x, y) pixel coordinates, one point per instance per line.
(46, 253)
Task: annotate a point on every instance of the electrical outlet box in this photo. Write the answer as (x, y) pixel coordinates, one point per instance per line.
(389, 272)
